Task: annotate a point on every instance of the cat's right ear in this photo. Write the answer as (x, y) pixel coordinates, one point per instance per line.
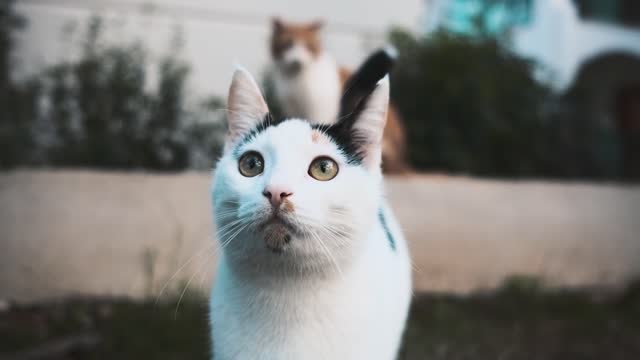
(246, 107)
(317, 25)
(277, 24)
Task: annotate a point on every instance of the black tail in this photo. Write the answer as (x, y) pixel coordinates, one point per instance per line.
(362, 82)
(357, 89)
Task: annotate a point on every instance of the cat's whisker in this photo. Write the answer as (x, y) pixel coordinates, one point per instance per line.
(336, 242)
(315, 238)
(186, 287)
(204, 277)
(232, 232)
(223, 210)
(224, 217)
(226, 242)
(223, 230)
(226, 226)
(340, 241)
(415, 268)
(226, 210)
(230, 201)
(337, 234)
(234, 228)
(327, 253)
(197, 254)
(338, 230)
(233, 236)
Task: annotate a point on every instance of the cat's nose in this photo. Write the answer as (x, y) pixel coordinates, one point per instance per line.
(276, 195)
(293, 66)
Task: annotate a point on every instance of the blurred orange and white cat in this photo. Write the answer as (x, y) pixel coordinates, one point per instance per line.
(308, 84)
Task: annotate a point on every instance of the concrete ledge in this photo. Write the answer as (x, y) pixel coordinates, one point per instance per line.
(84, 232)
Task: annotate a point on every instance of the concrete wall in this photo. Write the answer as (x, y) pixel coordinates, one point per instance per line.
(217, 34)
(82, 232)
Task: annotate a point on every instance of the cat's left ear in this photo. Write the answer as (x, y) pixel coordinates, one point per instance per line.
(368, 127)
(246, 107)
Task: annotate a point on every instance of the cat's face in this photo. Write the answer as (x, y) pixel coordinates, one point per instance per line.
(295, 46)
(293, 194)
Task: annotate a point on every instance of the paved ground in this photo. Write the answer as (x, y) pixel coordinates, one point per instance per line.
(84, 232)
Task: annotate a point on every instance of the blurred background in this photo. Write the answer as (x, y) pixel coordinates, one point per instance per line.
(523, 128)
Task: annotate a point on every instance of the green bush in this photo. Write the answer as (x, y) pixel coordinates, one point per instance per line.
(473, 106)
(98, 112)
(17, 101)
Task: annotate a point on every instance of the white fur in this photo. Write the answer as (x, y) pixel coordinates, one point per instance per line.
(339, 291)
(313, 93)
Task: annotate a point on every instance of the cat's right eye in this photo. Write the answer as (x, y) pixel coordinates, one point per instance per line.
(323, 168)
(251, 164)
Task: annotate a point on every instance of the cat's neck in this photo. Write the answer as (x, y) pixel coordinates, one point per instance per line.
(271, 271)
(323, 63)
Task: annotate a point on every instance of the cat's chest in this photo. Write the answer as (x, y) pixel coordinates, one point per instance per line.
(313, 95)
(298, 323)
(289, 304)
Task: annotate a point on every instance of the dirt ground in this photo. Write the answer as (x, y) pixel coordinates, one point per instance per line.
(520, 321)
(67, 232)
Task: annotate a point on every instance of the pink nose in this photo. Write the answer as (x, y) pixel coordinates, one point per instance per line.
(276, 195)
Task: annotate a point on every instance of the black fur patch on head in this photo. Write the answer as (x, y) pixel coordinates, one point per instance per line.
(358, 88)
(266, 122)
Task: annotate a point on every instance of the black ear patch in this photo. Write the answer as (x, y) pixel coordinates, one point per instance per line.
(357, 90)
(266, 122)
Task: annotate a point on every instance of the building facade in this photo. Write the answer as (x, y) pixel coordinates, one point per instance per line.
(586, 46)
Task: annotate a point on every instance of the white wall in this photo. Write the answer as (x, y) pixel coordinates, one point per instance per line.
(218, 34)
(563, 42)
(556, 38)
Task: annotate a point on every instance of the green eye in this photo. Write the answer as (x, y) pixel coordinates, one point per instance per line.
(323, 168)
(251, 164)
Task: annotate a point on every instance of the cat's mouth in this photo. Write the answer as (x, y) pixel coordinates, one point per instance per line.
(277, 232)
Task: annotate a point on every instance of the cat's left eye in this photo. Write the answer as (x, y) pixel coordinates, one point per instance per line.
(323, 168)
(251, 164)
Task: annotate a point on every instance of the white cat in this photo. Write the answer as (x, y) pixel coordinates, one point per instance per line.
(307, 80)
(313, 263)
